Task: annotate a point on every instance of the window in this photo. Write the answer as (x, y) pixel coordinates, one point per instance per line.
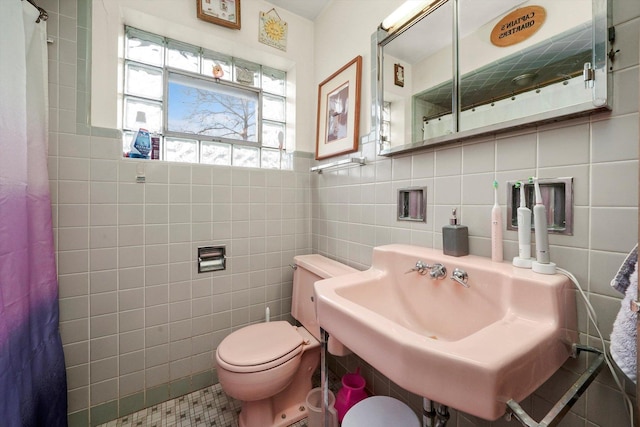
(386, 122)
(204, 106)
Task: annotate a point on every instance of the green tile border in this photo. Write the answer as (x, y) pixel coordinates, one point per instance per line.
(78, 419)
(102, 413)
(156, 395)
(106, 132)
(202, 380)
(304, 154)
(130, 404)
(83, 67)
(180, 387)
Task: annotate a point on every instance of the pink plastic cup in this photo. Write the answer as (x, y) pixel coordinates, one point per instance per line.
(352, 392)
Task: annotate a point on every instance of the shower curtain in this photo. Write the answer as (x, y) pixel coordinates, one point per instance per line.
(32, 373)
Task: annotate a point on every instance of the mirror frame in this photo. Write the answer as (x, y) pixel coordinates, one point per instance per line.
(601, 91)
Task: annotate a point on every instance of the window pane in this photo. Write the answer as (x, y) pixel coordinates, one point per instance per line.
(273, 108)
(144, 47)
(181, 150)
(205, 107)
(270, 159)
(143, 81)
(386, 111)
(247, 73)
(215, 153)
(152, 113)
(127, 137)
(287, 161)
(183, 56)
(246, 156)
(273, 135)
(273, 81)
(212, 59)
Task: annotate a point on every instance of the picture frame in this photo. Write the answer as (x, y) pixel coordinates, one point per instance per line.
(339, 111)
(398, 75)
(220, 12)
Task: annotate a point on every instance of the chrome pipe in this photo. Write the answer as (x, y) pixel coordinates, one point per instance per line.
(324, 377)
(442, 416)
(428, 412)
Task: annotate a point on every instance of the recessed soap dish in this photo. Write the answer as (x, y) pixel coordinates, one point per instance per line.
(412, 204)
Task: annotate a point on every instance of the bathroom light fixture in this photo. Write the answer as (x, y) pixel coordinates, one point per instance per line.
(524, 79)
(404, 13)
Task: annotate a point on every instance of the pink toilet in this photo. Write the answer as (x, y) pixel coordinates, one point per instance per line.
(268, 366)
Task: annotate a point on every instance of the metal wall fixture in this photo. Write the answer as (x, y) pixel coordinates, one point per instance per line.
(557, 196)
(340, 164)
(412, 204)
(211, 258)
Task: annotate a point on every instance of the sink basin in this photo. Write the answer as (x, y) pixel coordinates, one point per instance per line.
(472, 348)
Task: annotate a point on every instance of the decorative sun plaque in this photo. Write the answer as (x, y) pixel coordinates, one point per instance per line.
(273, 30)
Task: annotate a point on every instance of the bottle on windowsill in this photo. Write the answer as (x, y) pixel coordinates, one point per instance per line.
(141, 141)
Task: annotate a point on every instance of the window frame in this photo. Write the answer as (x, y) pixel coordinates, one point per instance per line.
(235, 86)
(274, 78)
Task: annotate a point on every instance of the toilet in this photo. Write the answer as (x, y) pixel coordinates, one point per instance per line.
(268, 366)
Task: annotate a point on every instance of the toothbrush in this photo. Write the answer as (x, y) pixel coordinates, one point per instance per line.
(523, 260)
(524, 226)
(540, 224)
(496, 227)
(542, 264)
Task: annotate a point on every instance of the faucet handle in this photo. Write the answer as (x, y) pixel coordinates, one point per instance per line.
(420, 267)
(460, 276)
(438, 271)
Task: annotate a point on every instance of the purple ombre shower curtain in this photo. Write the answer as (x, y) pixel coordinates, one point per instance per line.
(32, 372)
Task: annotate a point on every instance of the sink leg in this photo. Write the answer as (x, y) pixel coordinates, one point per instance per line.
(428, 412)
(324, 377)
(442, 416)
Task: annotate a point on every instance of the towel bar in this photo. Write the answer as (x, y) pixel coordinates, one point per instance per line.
(352, 161)
(560, 409)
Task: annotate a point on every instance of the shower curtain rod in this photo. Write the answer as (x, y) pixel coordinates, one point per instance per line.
(43, 13)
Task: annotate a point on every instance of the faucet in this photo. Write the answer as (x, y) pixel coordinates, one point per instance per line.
(436, 271)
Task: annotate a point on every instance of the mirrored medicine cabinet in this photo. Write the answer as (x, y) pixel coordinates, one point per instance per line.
(463, 68)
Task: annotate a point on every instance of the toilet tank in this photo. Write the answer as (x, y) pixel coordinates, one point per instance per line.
(310, 269)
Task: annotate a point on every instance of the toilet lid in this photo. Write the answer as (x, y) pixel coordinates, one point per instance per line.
(260, 346)
(380, 411)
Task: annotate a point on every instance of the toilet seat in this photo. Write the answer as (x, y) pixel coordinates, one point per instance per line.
(259, 347)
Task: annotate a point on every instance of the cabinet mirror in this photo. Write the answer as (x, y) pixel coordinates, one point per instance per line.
(462, 68)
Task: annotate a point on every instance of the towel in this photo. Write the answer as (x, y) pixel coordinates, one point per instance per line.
(623, 335)
(621, 282)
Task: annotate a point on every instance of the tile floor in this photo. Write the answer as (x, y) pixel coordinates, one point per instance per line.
(209, 407)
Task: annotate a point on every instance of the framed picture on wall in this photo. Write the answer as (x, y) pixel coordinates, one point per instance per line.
(398, 75)
(339, 111)
(221, 12)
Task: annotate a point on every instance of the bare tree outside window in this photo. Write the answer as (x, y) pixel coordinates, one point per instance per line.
(211, 109)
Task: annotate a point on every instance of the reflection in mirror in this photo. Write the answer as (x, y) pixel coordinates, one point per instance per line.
(496, 64)
(529, 71)
(426, 63)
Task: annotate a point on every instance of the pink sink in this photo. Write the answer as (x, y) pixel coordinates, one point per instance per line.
(469, 348)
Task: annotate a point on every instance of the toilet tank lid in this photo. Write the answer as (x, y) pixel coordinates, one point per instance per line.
(323, 266)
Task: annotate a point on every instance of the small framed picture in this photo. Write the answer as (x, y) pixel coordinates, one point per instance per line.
(221, 12)
(398, 73)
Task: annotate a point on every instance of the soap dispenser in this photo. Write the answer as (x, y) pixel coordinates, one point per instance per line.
(455, 237)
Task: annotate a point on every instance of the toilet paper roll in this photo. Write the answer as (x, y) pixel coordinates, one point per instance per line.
(212, 264)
